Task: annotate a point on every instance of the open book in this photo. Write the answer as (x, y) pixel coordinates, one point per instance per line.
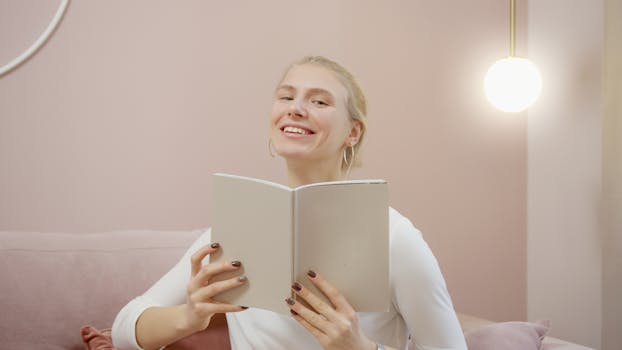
(338, 229)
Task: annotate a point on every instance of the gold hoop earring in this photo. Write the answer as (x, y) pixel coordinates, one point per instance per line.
(345, 159)
(270, 148)
(345, 155)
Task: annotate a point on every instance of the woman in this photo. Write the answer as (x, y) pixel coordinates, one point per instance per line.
(317, 125)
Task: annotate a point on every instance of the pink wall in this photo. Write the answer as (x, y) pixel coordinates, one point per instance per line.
(612, 178)
(120, 119)
(565, 144)
(575, 171)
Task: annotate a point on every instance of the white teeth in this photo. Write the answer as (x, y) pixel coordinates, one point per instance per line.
(295, 130)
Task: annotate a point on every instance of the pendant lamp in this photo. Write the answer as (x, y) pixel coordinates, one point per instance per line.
(513, 83)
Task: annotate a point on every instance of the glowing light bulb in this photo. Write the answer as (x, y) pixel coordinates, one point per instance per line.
(512, 84)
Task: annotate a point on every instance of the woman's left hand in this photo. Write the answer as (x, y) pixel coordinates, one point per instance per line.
(334, 326)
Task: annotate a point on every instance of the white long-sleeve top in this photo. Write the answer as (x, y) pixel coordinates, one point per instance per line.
(421, 306)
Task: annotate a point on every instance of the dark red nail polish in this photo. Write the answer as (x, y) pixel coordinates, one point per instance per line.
(215, 245)
(236, 263)
(311, 274)
(290, 301)
(244, 307)
(293, 312)
(297, 287)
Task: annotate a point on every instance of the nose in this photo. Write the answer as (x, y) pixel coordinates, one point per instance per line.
(296, 108)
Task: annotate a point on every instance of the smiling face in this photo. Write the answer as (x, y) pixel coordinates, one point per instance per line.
(309, 120)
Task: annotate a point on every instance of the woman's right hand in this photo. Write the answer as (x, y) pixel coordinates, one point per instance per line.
(200, 307)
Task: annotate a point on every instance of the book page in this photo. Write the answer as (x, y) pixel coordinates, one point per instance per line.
(253, 223)
(342, 232)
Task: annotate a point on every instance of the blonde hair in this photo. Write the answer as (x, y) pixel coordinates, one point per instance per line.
(356, 103)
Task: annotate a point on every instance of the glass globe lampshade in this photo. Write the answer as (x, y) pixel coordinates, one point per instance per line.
(512, 84)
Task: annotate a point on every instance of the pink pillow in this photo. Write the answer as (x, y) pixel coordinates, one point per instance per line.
(508, 336)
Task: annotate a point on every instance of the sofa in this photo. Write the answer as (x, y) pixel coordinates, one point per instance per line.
(54, 284)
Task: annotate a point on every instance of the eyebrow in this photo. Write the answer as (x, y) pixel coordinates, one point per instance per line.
(311, 90)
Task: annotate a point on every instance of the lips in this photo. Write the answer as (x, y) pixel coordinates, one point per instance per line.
(296, 130)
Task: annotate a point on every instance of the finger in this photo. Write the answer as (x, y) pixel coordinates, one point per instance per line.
(321, 337)
(316, 303)
(206, 293)
(196, 259)
(314, 319)
(210, 270)
(332, 293)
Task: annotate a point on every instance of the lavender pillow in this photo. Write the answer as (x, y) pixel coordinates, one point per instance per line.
(508, 336)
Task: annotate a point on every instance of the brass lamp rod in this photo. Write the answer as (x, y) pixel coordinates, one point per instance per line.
(512, 25)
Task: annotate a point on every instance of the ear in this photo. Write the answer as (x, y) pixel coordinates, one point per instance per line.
(356, 130)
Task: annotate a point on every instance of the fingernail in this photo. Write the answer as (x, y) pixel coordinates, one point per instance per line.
(215, 245)
(244, 307)
(242, 279)
(297, 287)
(311, 274)
(236, 263)
(293, 312)
(290, 301)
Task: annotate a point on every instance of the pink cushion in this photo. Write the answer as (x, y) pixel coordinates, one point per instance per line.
(52, 284)
(508, 336)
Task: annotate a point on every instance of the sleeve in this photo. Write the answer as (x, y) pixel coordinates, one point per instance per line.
(168, 291)
(420, 292)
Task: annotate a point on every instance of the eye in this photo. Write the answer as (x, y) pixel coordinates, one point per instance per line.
(319, 102)
(286, 98)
